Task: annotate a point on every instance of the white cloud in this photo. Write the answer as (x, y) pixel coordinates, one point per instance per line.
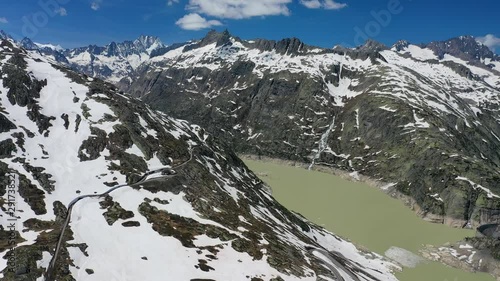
(325, 4)
(194, 21)
(240, 9)
(332, 5)
(490, 40)
(96, 5)
(61, 11)
(4, 20)
(311, 4)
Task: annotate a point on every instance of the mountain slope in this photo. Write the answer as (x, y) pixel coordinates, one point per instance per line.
(64, 135)
(421, 120)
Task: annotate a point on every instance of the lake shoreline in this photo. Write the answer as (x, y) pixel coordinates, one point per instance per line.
(444, 254)
(386, 188)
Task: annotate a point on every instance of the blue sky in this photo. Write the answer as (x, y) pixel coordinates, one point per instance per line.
(325, 23)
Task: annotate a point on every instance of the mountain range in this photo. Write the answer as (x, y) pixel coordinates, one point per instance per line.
(422, 121)
(112, 62)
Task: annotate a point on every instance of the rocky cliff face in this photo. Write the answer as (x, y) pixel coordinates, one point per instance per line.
(424, 120)
(64, 135)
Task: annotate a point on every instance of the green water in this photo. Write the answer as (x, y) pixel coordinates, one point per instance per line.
(365, 215)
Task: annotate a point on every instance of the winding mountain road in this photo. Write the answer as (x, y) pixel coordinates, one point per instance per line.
(342, 272)
(332, 264)
(49, 275)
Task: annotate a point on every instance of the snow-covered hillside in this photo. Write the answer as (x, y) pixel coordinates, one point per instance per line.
(64, 135)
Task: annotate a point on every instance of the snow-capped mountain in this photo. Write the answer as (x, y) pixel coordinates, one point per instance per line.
(69, 140)
(112, 62)
(4, 35)
(463, 47)
(423, 120)
(28, 44)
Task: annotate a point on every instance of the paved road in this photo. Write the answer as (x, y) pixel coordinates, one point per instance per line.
(49, 275)
(339, 264)
(336, 267)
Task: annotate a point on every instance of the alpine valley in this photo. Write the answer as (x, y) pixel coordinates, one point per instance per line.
(421, 121)
(67, 137)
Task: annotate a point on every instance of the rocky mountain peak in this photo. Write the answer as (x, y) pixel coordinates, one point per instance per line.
(288, 46)
(4, 35)
(27, 44)
(373, 46)
(112, 50)
(464, 47)
(146, 42)
(224, 39)
(213, 36)
(401, 45)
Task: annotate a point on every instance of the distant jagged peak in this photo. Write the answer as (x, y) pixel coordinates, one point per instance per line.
(464, 47)
(288, 46)
(148, 43)
(144, 41)
(147, 40)
(372, 46)
(58, 48)
(401, 45)
(6, 40)
(369, 50)
(4, 35)
(28, 44)
(213, 36)
(143, 44)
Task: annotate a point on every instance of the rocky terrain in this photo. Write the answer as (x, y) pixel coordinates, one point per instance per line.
(63, 135)
(423, 119)
(473, 255)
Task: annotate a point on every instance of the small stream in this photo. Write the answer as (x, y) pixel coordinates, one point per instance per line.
(365, 215)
